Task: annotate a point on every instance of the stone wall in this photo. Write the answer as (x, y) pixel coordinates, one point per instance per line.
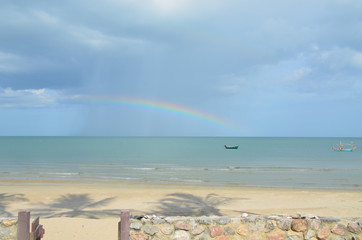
(246, 227)
(8, 228)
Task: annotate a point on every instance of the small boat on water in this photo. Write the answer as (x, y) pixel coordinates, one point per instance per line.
(341, 147)
(231, 147)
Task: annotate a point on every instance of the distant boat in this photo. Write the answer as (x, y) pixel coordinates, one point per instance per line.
(231, 147)
(341, 147)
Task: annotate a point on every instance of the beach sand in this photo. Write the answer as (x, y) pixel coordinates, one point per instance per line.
(90, 210)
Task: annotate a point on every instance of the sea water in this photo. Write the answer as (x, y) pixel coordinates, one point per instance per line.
(258, 162)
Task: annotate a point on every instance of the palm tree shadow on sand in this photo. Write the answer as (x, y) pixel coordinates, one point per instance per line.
(184, 204)
(76, 205)
(6, 199)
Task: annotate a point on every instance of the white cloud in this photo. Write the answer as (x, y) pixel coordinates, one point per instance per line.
(154, 10)
(315, 47)
(230, 89)
(232, 84)
(89, 37)
(356, 59)
(46, 17)
(10, 98)
(169, 7)
(97, 40)
(339, 58)
(298, 74)
(85, 35)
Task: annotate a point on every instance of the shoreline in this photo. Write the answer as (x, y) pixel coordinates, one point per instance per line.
(135, 183)
(79, 209)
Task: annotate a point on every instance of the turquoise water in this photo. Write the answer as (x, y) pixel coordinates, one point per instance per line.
(266, 162)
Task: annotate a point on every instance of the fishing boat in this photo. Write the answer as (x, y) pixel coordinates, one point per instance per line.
(341, 147)
(231, 147)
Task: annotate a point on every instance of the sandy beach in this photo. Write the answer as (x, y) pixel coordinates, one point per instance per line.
(90, 210)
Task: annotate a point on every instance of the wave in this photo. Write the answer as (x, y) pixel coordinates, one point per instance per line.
(141, 168)
(232, 168)
(63, 173)
(304, 177)
(174, 169)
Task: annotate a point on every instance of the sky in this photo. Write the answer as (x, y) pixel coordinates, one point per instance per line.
(262, 68)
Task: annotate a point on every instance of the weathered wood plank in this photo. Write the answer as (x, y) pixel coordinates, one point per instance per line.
(34, 224)
(38, 233)
(124, 225)
(37, 230)
(23, 225)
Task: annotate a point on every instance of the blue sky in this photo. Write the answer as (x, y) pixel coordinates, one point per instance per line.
(263, 68)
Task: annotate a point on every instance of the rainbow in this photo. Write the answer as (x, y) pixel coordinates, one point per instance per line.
(153, 105)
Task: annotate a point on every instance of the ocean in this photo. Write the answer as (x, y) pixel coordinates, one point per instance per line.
(259, 162)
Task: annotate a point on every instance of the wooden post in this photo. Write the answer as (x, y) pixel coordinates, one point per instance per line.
(37, 230)
(123, 225)
(23, 225)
